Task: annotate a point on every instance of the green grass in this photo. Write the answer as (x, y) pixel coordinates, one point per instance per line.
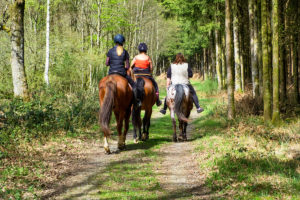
(243, 159)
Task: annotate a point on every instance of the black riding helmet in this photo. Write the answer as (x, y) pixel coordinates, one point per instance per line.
(119, 39)
(143, 47)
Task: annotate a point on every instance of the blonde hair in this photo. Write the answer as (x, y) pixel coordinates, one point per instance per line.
(119, 50)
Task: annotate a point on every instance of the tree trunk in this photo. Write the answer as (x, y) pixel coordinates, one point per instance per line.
(254, 46)
(17, 50)
(218, 59)
(282, 55)
(266, 62)
(46, 75)
(229, 60)
(295, 69)
(275, 40)
(237, 55)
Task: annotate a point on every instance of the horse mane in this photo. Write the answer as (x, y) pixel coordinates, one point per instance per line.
(179, 97)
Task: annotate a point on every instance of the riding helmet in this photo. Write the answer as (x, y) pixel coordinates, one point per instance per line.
(142, 47)
(120, 39)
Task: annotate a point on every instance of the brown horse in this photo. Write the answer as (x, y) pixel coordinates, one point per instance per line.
(180, 103)
(115, 95)
(145, 87)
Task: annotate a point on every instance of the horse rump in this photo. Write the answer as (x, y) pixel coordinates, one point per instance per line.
(179, 99)
(107, 106)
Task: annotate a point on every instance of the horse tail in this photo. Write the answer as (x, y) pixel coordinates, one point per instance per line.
(140, 83)
(107, 106)
(179, 97)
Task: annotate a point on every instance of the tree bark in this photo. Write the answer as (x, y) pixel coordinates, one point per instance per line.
(254, 46)
(275, 58)
(46, 75)
(218, 60)
(266, 62)
(229, 60)
(282, 55)
(237, 55)
(17, 50)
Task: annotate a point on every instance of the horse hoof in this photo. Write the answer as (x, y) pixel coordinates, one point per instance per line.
(144, 137)
(121, 147)
(135, 141)
(107, 150)
(174, 139)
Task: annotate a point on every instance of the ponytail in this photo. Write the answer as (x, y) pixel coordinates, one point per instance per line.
(119, 50)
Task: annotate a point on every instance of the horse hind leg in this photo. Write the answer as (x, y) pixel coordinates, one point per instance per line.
(135, 122)
(174, 125)
(181, 128)
(146, 124)
(185, 124)
(121, 139)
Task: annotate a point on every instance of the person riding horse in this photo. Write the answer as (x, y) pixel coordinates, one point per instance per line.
(179, 73)
(118, 62)
(142, 66)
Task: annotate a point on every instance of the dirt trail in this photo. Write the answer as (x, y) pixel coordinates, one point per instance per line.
(178, 172)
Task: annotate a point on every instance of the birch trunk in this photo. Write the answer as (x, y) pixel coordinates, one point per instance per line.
(17, 50)
(229, 60)
(46, 75)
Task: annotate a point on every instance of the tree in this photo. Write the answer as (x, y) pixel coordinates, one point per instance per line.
(46, 76)
(275, 58)
(229, 60)
(254, 46)
(266, 62)
(17, 49)
(237, 52)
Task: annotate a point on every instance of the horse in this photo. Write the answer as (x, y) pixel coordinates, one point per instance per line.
(115, 95)
(148, 99)
(180, 102)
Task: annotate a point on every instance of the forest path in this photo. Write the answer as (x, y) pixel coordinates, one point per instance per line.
(179, 173)
(175, 169)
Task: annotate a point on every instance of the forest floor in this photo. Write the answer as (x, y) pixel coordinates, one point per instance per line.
(241, 159)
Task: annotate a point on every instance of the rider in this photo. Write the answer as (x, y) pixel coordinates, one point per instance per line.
(142, 66)
(118, 60)
(179, 73)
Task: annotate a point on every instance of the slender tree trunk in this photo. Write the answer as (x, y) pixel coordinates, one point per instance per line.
(237, 56)
(229, 60)
(17, 50)
(224, 69)
(282, 55)
(218, 59)
(295, 69)
(266, 62)
(46, 75)
(99, 5)
(275, 40)
(254, 46)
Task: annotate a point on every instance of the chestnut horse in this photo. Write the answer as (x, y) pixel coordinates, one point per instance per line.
(115, 95)
(180, 102)
(145, 87)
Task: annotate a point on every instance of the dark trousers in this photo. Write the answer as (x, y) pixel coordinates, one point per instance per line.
(153, 81)
(194, 96)
(129, 79)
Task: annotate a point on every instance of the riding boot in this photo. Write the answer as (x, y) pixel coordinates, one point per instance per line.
(163, 111)
(158, 101)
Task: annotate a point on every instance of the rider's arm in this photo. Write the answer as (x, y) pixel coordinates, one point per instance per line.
(107, 58)
(169, 75)
(151, 65)
(190, 72)
(126, 60)
(132, 63)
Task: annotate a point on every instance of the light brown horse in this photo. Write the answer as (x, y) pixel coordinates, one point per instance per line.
(145, 87)
(115, 95)
(180, 102)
